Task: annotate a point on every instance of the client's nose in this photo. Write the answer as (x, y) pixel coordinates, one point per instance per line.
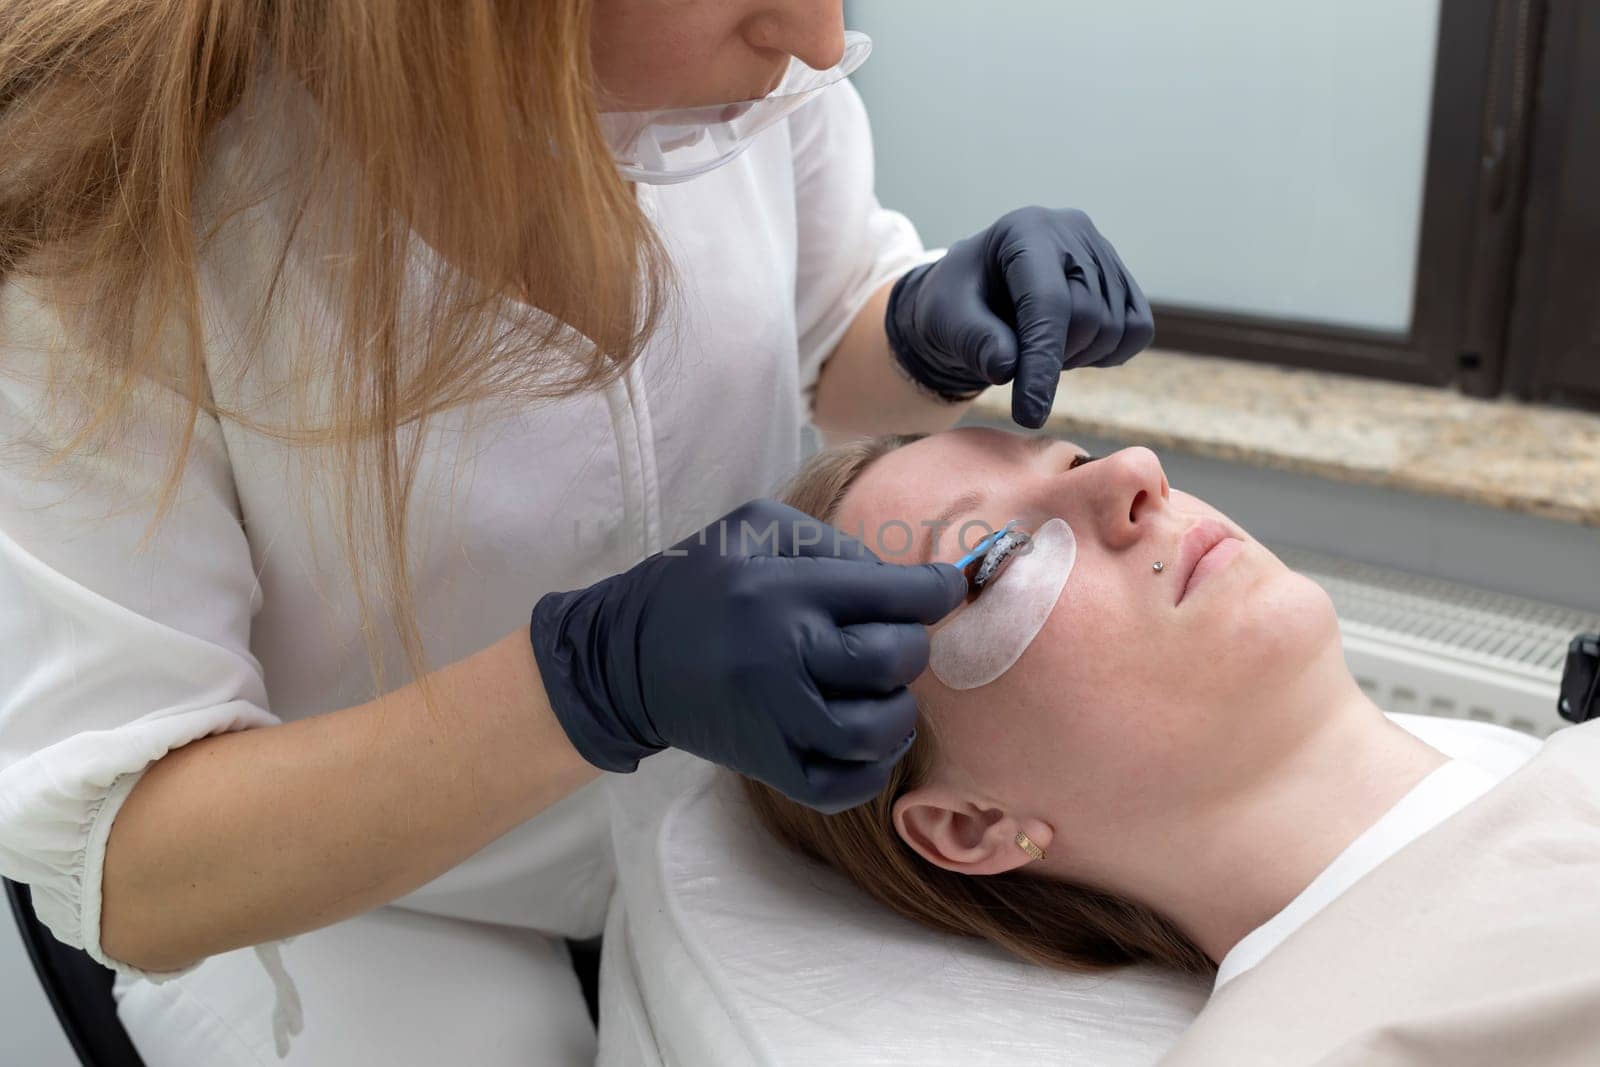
(1127, 489)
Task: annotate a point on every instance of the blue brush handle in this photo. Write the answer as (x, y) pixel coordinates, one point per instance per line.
(984, 546)
(977, 553)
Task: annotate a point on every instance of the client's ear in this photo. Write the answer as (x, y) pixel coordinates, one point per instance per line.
(960, 833)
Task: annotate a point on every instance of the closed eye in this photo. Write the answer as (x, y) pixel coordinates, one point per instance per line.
(1080, 459)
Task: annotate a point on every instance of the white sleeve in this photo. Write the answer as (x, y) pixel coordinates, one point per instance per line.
(850, 245)
(110, 655)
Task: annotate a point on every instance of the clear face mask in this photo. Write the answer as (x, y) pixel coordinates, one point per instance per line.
(670, 145)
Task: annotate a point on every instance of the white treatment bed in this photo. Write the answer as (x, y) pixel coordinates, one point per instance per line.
(724, 949)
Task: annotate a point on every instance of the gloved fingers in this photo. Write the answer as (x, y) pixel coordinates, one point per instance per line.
(860, 729)
(870, 658)
(1110, 320)
(851, 592)
(1087, 290)
(1036, 280)
(1139, 330)
(1138, 321)
(983, 338)
(832, 786)
(959, 319)
(1033, 392)
(819, 540)
(1044, 309)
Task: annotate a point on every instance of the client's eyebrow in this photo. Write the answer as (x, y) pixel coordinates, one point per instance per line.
(964, 504)
(972, 500)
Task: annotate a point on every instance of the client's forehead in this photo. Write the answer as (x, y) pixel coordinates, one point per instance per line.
(915, 483)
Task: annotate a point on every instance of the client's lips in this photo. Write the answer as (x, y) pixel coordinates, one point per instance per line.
(1199, 539)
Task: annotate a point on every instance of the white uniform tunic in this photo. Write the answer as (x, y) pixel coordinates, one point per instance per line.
(239, 614)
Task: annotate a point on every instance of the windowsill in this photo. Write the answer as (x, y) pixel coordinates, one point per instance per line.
(1497, 453)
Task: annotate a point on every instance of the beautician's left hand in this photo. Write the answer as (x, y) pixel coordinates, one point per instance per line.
(1037, 293)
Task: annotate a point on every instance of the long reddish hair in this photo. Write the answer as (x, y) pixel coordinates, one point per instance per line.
(471, 122)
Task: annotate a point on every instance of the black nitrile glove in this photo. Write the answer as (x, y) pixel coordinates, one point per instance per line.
(1037, 293)
(770, 643)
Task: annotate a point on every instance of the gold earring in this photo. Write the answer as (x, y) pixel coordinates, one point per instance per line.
(1025, 843)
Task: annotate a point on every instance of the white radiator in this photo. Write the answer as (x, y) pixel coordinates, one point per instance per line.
(1435, 647)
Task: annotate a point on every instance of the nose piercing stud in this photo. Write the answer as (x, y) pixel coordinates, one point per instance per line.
(1159, 567)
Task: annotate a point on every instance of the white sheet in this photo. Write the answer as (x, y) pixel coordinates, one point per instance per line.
(1444, 791)
(723, 948)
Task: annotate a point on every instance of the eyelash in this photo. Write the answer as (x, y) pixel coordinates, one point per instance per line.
(1080, 459)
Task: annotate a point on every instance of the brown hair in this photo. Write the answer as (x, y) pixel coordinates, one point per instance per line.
(1052, 923)
(470, 122)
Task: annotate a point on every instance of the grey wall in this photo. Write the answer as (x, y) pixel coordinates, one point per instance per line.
(1250, 155)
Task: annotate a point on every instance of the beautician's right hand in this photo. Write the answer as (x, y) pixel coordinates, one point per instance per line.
(784, 656)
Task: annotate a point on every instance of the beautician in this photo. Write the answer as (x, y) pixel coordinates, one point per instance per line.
(386, 324)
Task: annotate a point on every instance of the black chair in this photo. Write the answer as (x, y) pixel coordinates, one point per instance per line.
(79, 989)
(586, 962)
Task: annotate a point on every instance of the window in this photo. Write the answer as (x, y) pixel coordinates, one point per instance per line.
(1335, 185)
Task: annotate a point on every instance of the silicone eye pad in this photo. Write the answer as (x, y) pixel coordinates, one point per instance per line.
(987, 637)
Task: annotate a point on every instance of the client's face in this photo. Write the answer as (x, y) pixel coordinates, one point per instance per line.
(1144, 689)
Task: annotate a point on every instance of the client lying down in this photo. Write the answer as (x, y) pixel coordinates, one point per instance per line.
(1180, 769)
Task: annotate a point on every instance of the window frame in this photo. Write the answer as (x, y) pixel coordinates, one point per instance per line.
(1468, 238)
(1554, 334)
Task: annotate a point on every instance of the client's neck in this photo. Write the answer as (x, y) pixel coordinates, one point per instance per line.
(1242, 861)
